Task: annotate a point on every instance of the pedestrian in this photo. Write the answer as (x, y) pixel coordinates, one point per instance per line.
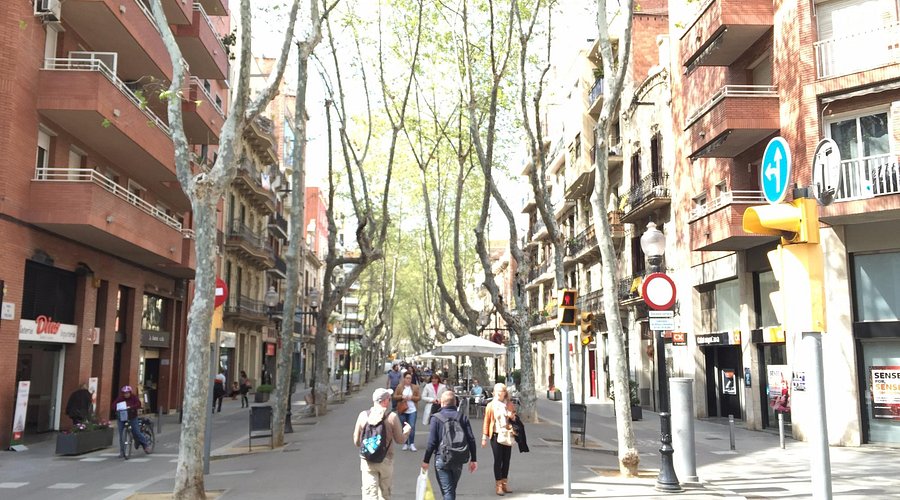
(453, 444)
(219, 391)
(393, 380)
(407, 396)
(415, 375)
(245, 388)
(377, 475)
(498, 430)
(126, 408)
(431, 394)
(78, 408)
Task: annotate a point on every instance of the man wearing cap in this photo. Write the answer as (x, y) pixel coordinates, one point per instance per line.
(377, 478)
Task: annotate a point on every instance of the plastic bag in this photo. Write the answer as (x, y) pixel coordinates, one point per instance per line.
(423, 487)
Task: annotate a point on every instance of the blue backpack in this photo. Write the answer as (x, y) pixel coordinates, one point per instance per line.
(374, 443)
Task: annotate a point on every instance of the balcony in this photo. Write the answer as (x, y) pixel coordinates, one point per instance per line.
(249, 182)
(279, 270)
(649, 195)
(123, 26)
(85, 206)
(215, 7)
(177, 11)
(737, 117)
(630, 288)
(857, 52)
(278, 226)
(86, 98)
(244, 241)
(868, 193)
(591, 302)
(724, 30)
(718, 224)
(240, 307)
(581, 183)
(203, 118)
(261, 137)
(201, 46)
(595, 98)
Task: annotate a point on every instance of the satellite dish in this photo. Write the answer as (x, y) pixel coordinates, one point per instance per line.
(826, 171)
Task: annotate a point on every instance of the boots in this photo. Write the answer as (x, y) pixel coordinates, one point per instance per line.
(500, 492)
(505, 483)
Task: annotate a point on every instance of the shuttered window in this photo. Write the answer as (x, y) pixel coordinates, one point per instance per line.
(48, 291)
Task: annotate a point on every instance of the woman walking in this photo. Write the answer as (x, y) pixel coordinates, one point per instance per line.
(497, 430)
(245, 388)
(407, 395)
(431, 394)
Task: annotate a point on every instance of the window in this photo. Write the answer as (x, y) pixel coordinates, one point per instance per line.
(857, 35)
(862, 136)
(768, 295)
(875, 292)
(154, 313)
(728, 306)
(655, 156)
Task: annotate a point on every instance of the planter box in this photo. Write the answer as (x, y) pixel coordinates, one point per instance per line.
(637, 413)
(554, 395)
(261, 397)
(84, 442)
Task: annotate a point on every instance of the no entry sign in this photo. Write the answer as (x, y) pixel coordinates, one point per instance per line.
(659, 291)
(221, 292)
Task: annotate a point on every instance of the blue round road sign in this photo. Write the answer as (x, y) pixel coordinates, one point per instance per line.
(775, 172)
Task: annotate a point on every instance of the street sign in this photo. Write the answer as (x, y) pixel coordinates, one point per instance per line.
(221, 292)
(775, 173)
(658, 291)
(659, 324)
(662, 314)
(679, 338)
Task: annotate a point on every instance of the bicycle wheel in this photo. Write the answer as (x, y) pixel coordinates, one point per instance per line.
(149, 436)
(125, 442)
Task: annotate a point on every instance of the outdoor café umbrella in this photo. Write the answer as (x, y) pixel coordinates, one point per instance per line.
(470, 345)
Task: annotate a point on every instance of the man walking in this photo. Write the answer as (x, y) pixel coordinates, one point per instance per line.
(453, 444)
(375, 430)
(393, 380)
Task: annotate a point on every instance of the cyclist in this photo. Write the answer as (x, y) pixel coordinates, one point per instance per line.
(133, 404)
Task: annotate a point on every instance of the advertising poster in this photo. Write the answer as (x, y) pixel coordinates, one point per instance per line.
(21, 408)
(92, 388)
(729, 385)
(886, 392)
(778, 378)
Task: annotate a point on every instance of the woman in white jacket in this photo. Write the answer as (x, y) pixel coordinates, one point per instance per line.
(431, 394)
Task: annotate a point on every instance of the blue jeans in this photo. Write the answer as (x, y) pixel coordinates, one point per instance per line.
(135, 430)
(411, 419)
(448, 478)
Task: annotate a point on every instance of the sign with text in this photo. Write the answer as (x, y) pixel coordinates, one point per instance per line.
(798, 382)
(8, 311)
(152, 338)
(21, 409)
(729, 385)
(44, 329)
(679, 338)
(662, 320)
(885, 392)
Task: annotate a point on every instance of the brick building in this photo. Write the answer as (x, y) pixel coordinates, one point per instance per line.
(97, 246)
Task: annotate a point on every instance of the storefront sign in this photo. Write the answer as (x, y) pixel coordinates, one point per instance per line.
(679, 338)
(886, 392)
(720, 338)
(227, 340)
(44, 329)
(92, 388)
(8, 311)
(798, 382)
(729, 384)
(21, 408)
(773, 334)
(270, 349)
(151, 338)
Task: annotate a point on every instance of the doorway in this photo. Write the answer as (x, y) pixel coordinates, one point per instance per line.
(41, 364)
(723, 373)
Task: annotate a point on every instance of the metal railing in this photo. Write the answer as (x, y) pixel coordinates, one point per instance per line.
(88, 175)
(202, 88)
(629, 288)
(868, 177)
(238, 230)
(280, 265)
(732, 91)
(726, 199)
(279, 222)
(199, 8)
(585, 239)
(592, 301)
(596, 90)
(79, 64)
(147, 12)
(652, 186)
(240, 304)
(858, 52)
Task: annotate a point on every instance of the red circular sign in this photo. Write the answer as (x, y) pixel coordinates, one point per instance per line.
(221, 292)
(658, 291)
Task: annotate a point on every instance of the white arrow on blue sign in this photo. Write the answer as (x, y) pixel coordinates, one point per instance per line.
(775, 174)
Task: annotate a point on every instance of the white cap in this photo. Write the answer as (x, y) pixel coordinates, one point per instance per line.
(381, 394)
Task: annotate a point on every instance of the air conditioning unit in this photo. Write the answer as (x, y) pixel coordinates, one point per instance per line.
(49, 10)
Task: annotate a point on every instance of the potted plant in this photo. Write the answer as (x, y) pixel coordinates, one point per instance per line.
(263, 391)
(84, 437)
(554, 394)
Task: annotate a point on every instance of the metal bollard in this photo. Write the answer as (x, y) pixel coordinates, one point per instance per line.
(160, 411)
(682, 402)
(781, 429)
(731, 430)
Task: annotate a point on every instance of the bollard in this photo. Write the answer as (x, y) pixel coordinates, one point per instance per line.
(682, 403)
(781, 429)
(160, 411)
(731, 430)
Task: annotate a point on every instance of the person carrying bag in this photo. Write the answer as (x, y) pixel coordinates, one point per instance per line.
(498, 430)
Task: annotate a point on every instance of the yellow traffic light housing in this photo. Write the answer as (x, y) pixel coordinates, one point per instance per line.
(795, 222)
(567, 311)
(587, 328)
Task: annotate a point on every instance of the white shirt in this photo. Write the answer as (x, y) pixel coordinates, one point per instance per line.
(411, 406)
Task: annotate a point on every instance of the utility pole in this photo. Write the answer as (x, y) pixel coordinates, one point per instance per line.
(566, 318)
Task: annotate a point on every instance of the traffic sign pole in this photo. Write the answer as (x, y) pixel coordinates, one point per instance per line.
(566, 424)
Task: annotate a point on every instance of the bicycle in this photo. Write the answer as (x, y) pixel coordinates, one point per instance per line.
(126, 440)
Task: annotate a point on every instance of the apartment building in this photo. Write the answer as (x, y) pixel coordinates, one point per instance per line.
(97, 241)
(743, 73)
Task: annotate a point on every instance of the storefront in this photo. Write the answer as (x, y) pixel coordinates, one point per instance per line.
(773, 371)
(156, 339)
(227, 346)
(724, 369)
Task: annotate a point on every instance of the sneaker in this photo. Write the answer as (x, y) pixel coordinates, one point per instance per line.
(405, 447)
(412, 447)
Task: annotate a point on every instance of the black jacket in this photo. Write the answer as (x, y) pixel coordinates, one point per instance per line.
(79, 405)
(521, 440)
(437, 431)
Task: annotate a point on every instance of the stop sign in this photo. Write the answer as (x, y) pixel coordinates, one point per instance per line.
(221, 292)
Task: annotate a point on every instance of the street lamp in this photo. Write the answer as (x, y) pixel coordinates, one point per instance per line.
(653, 244)
(312, 296)
(271, 300)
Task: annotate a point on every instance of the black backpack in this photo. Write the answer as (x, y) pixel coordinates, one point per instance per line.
(374, 443)
(454, 447)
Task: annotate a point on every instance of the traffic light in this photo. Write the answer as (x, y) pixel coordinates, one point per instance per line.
(587, 328)
(795, 222)
(567, 311)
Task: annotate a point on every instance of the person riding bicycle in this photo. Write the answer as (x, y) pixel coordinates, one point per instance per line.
(130, 403)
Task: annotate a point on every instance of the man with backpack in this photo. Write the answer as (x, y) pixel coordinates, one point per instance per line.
(375, 429)
(453, 444)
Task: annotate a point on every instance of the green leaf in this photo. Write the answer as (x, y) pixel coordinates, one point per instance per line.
(105, 123)
(165, 94)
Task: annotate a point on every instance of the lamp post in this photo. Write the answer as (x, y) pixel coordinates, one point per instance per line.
(308, 319)
(653, 244)
(271, 300)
